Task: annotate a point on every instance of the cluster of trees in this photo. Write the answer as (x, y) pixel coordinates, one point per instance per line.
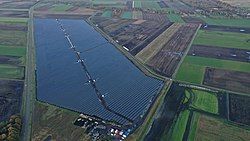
(10, 130)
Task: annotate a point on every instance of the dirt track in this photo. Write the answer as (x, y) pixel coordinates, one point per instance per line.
(227, 79)
(220, 53)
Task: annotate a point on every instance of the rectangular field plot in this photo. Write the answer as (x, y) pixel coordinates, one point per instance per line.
(229, 80)
(11, 60)
(152, 16)
(150, 5)
(13, 38)
(227, 22)
(192, 68)
(233, 54)
(223, 39)
(213, 129)
(63, 83)
(166, 60)
(127, 15)
(24, 4)
(60, 7)
(10, 98)
(14, 13)
(225, 28)
(14, 72)
(179, 127)
(239, 109)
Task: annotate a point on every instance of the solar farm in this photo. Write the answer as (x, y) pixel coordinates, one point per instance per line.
(132, 70)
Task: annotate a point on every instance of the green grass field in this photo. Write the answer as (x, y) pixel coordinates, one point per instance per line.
(193, 68)
(127, 15)
(227, 21)
(109, 3)
(223, 39)
(12, 51)
(13, 38)
(107, 13)
(176, 134)
(175, 18)
(150, 5)
(60, 7)
(193, 126)
(203, 100)
(14, 20)
(137, 4)
(12, 72)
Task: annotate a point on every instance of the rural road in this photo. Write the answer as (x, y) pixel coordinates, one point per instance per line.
(29, 84)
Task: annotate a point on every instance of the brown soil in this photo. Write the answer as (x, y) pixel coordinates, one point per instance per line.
(227, 79)
(220, 53)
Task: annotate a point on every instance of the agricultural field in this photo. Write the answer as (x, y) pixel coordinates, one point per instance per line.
(150, 5)
(53, 123)
(216, 129)
(239, 109)
(60, 7)
(227, 79)
(194, 102)
(234, 54)
(156, 45)
(225, 28)
(202, 100)
(137, 15)
(13, 42)
(232, 22)
(14, 13)
(127, 15)
(133, 35)
(223, 39)
(10, 98)
(238, 3)
(175, 18)
(193, 68)
(167, 59)
(179, 128)
(15, 4)
(152, 16)
(107, 13)
(211, 57)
